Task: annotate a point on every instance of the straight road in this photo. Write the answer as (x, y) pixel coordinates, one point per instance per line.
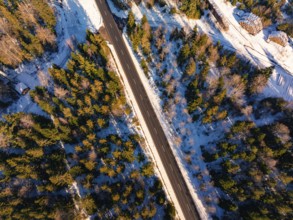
(179, 186)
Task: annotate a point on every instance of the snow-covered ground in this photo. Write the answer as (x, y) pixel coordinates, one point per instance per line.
(258, 50)
(255, 48)
(169, 129)
(142, 129)
(73, 17)
(177, 123)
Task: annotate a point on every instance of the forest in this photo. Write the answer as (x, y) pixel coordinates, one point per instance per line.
(27, 30)
(71, 163)
(249, 162)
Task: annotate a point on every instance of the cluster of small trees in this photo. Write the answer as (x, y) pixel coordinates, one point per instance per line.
(250, 163)
(233, 82)
(253, 169)
(139, 34)
(192, 8)
(195, 57)
(26, 30)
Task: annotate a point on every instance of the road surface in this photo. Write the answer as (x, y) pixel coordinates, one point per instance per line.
(179, 186)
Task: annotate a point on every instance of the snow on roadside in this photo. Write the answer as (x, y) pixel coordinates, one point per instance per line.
(152, 93)
(94, 20)
(115, 11)
(153, 153)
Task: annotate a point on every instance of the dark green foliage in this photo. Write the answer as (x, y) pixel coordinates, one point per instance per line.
(32, 168)
(287, 28)
(253, 156)
(192, 8)
(36, 173)
(190, 67)
(170, 211)
(139, 34)
(249, 163)
(130, 23)
(85, 96)
(144, 66)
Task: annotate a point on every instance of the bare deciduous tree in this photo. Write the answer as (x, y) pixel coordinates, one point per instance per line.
(27, 121)
(282, 132)
(213, 54)
(27, 12)
(235, 88)
(5, 27)
(258, 84)
(25, 190)
(60, 92)
(213, 82)
(70, 43)
(10, 52)
(45, 35)
(85, 83)
(4, 140)
(247, 110)
(92, 156)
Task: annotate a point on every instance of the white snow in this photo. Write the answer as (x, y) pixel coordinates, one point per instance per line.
(119, 13)
(91, 10)
(152, 150)
(255, 48)
(73, 19)
(169, 131)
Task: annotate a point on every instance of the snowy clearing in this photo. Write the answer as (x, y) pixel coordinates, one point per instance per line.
(170, 133)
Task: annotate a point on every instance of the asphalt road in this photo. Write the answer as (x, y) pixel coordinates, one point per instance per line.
(179, 186)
